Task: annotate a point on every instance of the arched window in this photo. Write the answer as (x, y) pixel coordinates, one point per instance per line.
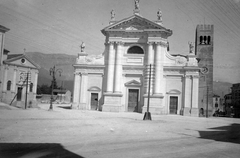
(9, 85)
(135, 50)
(205, 39)
(201, 39)
(31, 87)
(209, 40)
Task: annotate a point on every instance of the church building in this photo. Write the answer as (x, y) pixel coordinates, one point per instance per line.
(136, 72)
(18, 77)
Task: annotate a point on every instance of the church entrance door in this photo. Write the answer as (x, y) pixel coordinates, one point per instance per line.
(133, 100)
(19, 94)
(94, 101)
(173, 104)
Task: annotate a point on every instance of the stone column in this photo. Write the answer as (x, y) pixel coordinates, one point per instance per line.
(110, 73)
(83, 91)
(5, 78)
(35, 83)
(187, 95)
(150, 57)
(118, 68)
(195, 86)
(14, 80)
(76, 91)
(158, 82)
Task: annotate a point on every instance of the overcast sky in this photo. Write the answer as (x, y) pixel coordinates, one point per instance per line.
(60, 26)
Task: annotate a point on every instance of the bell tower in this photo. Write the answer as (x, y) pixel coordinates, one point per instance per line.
(204, 53)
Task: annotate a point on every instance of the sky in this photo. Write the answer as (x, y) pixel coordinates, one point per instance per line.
(60, 26)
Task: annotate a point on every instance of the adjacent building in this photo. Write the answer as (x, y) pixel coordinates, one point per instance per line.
(236, 99)
(136, 70)
(19, 76)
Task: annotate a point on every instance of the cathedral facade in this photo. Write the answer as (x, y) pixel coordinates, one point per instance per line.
(136, 72)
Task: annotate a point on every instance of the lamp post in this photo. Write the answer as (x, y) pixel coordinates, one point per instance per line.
(53, 71)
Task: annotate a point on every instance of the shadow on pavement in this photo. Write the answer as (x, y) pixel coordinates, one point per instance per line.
(30, 150)
(229, 133)
(65, 107)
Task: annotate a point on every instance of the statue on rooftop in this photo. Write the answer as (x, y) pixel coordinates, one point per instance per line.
(82, 47)
(112, 15)
(159, 15)
(137, 4)
(191, 46)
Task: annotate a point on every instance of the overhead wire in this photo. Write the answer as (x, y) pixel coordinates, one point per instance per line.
(59, 33)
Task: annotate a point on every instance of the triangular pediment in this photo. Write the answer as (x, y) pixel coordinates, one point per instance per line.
(94, 88)
(133, 83)
(135, 22)
(21, 61)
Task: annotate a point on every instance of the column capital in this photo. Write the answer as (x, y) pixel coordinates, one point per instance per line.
(120, 43)
(161, 44)
(150, 43)
(188, 76)
(195, 77)
(77, 73)
(109, 43)
(83, 74)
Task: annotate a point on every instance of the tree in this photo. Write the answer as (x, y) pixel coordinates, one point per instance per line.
(43, 89)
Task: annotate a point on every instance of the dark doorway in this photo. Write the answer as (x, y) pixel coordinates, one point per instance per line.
(19, 94)
(94, 101)
(173, 104)
(133, 100)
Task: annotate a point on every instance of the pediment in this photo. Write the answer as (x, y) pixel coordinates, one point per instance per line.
(135, 22)
(174, 91)
(21, 61)
(133, 83)
(94, 88)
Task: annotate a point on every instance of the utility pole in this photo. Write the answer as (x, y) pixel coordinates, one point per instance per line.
(147, 115)
(207, 103)
(26, 91)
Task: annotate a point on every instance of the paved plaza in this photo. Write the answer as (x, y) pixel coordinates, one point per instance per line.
(70, 133)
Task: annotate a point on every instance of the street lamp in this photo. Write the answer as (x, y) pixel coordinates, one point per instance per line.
(53, 71)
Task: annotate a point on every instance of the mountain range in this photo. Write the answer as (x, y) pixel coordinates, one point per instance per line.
(65, 62)
(62, 62)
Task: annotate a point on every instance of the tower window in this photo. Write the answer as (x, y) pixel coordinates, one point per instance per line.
(31, 87)
(9, 85)
(209, 40)
(205, 39)
(135, 50)
(201, 39)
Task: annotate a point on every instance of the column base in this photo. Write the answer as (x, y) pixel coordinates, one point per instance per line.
(186, 111)
(112, 102)
(155, 104)
(75, 106)
(82, 106)
(195, 112)
(155, 110)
